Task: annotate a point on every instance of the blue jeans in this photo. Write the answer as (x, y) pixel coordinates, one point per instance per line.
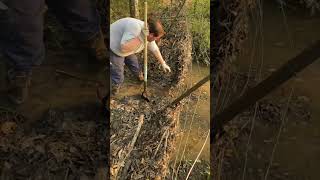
(117, 67)
(22, 39)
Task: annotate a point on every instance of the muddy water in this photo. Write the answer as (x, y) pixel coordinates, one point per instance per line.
(195, 118)
(298, 151)
(51, 90)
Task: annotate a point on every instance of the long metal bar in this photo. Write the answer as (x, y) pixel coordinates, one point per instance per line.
(189, 91)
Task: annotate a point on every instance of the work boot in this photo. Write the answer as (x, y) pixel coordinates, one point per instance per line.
(18, 83)
(97, 48)
(140, 77)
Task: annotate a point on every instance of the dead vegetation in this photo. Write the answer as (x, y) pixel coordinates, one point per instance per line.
(231, 22)
(175, 47)
(65, 144)
(149, 156)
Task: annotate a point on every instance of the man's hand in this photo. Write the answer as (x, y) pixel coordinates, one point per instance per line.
(165, 67)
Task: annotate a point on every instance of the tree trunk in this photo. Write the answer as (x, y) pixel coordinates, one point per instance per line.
(134, 10)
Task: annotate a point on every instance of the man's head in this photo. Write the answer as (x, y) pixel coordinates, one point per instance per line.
(155, 29)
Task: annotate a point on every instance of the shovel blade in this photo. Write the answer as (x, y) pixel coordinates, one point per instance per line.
(144, 96)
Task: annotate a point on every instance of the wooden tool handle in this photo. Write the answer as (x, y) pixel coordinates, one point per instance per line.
(145, 43)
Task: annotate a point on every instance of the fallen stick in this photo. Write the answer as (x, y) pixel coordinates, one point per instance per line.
(78, 77)
(125, 170)
(161, 139)
(195, 161)
(131, 145)
(104, 99)
(134, 139)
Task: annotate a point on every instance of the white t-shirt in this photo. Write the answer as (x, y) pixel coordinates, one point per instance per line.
(124, 30)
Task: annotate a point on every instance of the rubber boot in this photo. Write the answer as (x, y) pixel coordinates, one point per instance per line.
(115, 88)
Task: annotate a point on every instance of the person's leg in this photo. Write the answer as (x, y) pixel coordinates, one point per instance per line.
(117, 70)
(22, 44)
(82, 18)
(133, 64)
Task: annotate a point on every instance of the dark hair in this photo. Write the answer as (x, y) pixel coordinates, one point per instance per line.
(155, 26)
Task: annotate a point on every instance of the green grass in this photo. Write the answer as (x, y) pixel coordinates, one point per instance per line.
(120, 9)
(199, 18)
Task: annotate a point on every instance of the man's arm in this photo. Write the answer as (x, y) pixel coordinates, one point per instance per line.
(156, 52)
(158, 56)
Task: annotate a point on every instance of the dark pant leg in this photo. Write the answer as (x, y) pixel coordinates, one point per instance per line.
(133, 64)
(117, 68)
(23, 42)
(79, 16)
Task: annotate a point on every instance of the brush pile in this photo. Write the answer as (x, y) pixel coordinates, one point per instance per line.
(65, 144)
(143, 134)
(231, 28)
(175, 47)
